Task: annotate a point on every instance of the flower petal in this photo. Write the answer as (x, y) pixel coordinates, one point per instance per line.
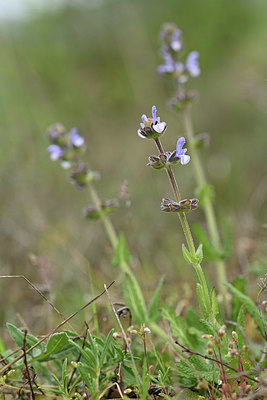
(140, 134)
(154, 114)
(159, 128)
(179, 146)
(185, 159)
(144, 118)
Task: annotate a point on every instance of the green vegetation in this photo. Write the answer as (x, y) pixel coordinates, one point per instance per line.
(163, 328)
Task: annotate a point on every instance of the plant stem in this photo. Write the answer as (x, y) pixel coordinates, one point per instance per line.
(207, 205)
(187, 233)
(106, 221)
(113, 237)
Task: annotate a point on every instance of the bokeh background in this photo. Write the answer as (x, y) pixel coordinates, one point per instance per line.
(92, 64)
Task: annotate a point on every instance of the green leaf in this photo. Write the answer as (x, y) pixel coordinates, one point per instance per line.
(74, 384)
(129, 377)
(56, 342)
(134, 299)
(58, 347)
(122, 254)
(251, 307)
(178, 326)
(195, 368)
(214, 303)
(193, 318)
(106, 347)
(89, 381)
(200, 296)
(239, 283)
(89, 358)
(154, 304)
(199, 253)
(188, 256)
(18, 337)
(207, 327)
(64, 374)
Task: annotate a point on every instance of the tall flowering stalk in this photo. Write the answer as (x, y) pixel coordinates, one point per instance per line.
(153, 128)
(181, 71)
(67, 149)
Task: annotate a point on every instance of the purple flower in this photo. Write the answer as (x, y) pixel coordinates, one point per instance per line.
(175, 42)
(75, 138)
(180, 152)
(55, 152)
(192, 64)
(151, 127)
(158, 126)
(170, 65)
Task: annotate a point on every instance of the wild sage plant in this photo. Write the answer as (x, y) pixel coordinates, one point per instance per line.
(180, 70)
(153, 128)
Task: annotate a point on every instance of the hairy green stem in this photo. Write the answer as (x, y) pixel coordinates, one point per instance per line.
(187, 233)
(207, 204)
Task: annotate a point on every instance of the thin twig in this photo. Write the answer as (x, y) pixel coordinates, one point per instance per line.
(26, 366)
(214, 360)
(39, 292)
(124, 335)
(55, 329)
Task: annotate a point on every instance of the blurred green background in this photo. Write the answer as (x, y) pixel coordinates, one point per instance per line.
(94, 67)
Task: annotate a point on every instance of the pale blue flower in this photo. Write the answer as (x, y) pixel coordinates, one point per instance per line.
(157, 126)
(55, 152)
(192, 64)
(176, 43)
(170, 66)
(151, 127)
(180, 152)
(75, 138)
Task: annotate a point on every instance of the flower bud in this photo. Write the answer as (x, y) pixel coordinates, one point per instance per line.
(74, 364)
(186, 205)
(221, 331)
(56, 134)
(234, 335)
(146, 330)
(182, 100)
(117, 335)
(207, 336)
